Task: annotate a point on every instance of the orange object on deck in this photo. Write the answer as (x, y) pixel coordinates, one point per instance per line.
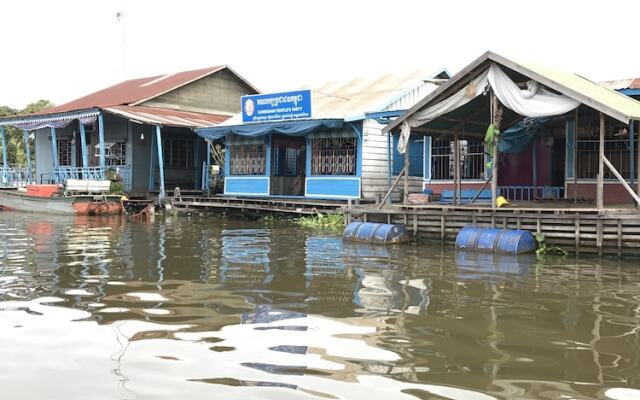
(41, 190)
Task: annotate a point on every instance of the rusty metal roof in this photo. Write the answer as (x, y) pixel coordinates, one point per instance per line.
(123, 99)
(134, 91)
(163, 116)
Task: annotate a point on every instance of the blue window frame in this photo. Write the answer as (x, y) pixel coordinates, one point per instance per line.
(416, 156)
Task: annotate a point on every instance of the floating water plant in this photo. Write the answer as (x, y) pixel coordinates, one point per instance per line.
(322, 221)
(543, 248)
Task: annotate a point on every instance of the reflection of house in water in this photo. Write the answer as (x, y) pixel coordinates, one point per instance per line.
(377, 287)
(245, 256)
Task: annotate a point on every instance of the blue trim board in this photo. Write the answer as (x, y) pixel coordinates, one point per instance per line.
(384, 117)
(247, 185)
(332, 187)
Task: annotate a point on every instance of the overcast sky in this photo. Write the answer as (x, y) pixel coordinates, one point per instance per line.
(63, 49)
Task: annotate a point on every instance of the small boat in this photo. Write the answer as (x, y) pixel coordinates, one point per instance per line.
(138, 208)
(84, 199)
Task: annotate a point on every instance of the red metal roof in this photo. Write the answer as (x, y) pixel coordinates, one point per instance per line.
(134, 90)
(163, 116)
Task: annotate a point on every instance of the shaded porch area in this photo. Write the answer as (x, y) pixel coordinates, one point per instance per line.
(500, 129)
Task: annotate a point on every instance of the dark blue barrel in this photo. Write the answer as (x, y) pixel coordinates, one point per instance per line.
(369, 232)
(508, 241)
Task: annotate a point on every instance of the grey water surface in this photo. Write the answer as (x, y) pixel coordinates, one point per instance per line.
(195, 308)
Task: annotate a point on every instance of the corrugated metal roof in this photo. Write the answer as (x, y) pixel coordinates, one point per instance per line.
(607, 101)
(351, 99)
(134, 90)
(162, 116)
(590, 93)
(631, 83)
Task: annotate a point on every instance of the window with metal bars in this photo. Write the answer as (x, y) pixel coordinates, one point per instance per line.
(334, 156)
(616, 148)
(117, 154)
(247, 159)
(471, 159)
(64, 152)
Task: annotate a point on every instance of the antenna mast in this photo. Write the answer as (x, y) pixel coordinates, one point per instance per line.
(122, 75)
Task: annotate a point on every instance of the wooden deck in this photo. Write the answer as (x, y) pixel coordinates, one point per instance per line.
(286, 205)
(573, 227)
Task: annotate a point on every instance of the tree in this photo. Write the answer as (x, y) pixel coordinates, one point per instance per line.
(14, 137)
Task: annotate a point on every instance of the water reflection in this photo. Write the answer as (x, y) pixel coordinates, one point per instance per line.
(197, 307)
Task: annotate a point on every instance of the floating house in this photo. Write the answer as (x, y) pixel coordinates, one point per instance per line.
(320, 143)
(559, 150)
(141, 129)
(554, 136)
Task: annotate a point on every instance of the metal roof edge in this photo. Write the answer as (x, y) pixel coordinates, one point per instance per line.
(204, 75)
(271, 122)
(589, 101)
(44, 117)
(451, 82)
(515, 66)
(409, 90)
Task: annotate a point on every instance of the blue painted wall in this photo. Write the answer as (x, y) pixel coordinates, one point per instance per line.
(247, 186)
(333, 187)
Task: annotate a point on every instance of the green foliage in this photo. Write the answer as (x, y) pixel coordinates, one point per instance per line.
(117, 187)
(544, 249)
(14, 137)
(322, 221)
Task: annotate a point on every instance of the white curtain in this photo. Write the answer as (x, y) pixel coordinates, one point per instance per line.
(535, 101)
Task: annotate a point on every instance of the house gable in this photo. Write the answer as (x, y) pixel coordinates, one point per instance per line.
(218, 93)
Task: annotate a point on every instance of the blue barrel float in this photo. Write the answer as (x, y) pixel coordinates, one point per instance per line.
(493, 240)
(369, 232)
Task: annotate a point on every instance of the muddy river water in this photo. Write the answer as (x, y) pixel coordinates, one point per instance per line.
(195, 308)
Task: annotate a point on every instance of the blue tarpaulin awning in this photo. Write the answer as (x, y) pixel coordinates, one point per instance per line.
(521, 135)
(290, 128)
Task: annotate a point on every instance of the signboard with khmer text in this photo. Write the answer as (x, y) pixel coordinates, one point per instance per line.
(276, 106)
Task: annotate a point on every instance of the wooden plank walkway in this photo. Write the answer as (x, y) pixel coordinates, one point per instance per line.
(257, 204)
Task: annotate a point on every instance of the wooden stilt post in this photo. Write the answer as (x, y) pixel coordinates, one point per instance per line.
(406, 176)
(633, 124)
(600, 183)
(4, 156)
(162, 194)
(27, 151)
(632, 160)
(456, 170)
(495, 119)
(54, 149)
(534, 169)
(83, 146)
(103, 156)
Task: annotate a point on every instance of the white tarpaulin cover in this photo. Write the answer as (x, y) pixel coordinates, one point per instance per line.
(535, 101)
